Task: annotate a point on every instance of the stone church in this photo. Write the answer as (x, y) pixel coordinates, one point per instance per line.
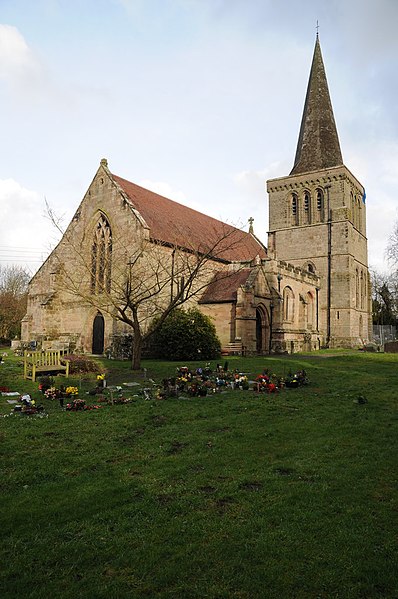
(309, 289)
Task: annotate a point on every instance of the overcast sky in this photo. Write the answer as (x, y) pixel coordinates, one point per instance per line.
(199, 100)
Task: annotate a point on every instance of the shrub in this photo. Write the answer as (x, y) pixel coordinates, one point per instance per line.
(78, 364)
(186, 335)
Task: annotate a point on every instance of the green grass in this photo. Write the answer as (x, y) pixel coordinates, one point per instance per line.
(231, 496)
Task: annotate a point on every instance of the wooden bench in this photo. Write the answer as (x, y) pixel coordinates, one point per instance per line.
(232, 349)
(46, 361)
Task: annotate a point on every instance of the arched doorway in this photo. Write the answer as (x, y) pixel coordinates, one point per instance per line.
(98, 334)
(262, 330)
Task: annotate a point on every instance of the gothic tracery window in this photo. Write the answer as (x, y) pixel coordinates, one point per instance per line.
(101, 257)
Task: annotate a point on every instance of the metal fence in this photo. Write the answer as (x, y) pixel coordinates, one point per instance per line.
(383, 333)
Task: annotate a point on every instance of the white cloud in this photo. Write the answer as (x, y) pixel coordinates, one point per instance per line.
(24, 229)
(18, 64)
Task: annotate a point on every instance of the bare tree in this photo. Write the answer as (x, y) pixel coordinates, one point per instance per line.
(144, 284)
(392, 246)
(13, 299)
(384, 297)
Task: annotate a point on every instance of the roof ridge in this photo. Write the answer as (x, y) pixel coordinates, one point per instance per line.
(174, 223)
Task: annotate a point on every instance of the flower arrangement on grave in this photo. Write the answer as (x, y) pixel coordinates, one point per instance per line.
(184, 376)
(79, 405)
(297, 379)
(71, 391)
(241, 382)
(76, 405)
(101, 377)
(263, 383)
(197, 389)
(53, 393)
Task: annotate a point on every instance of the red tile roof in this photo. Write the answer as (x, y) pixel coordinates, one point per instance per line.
(224, 286)
(178, 225)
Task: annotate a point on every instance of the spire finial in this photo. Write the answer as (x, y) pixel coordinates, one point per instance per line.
(317, 29)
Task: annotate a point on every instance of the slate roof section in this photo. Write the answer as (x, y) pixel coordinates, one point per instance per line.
(223, 287)
(318, 145)
(175, 224)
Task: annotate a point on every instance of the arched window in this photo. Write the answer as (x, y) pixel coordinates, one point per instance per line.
(310, 310)
(288, 304)
(295, 209)
(101, 257)
(307, 208)
(362, 289)
(359, 213)
(356, 288)
(320, 205)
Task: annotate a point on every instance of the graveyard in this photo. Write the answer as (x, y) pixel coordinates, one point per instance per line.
(195, 480)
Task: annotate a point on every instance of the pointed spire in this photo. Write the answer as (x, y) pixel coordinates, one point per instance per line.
(318, 145)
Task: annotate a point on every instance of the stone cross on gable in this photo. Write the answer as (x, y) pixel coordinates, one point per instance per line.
(251, 221)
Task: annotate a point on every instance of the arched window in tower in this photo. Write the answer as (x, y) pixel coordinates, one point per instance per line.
(311, 268)
(319, 205)
(362, 290)
(359, 214)
(295, 215)
(101, 257)
(356, 288)
(288, 304)
(307, 208)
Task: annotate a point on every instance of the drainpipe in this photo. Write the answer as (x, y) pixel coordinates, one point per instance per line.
(329, 272)
(317, 308)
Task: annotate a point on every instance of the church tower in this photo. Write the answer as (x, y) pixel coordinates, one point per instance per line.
(317, 220)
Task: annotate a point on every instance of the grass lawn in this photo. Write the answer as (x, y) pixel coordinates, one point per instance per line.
(237, 495)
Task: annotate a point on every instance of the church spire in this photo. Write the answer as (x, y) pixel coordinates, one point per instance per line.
(318, 145)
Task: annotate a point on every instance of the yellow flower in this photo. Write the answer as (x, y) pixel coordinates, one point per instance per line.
(71, 390)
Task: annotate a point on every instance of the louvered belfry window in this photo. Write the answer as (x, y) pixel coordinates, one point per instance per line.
(294, 209)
